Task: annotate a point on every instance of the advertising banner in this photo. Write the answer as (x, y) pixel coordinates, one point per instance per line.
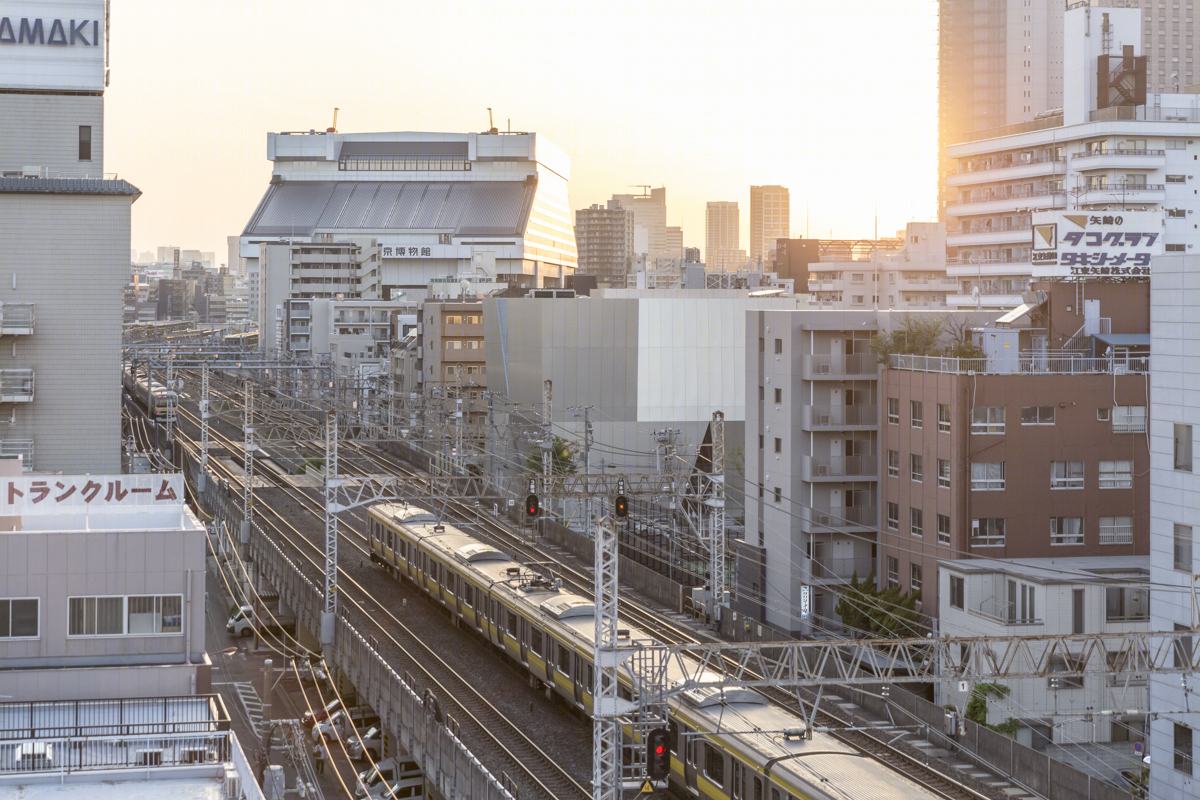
(1100, 244)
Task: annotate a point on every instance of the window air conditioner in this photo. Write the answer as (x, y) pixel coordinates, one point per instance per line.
(823, 470)
(822, 419)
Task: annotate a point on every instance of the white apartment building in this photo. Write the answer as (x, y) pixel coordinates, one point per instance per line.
(1088, 158)
(770, 219)
(1045, 597)
(64, 252)
(914, 276)
(438, 204)
(722, 234)
(1174, 516)
(356, 335)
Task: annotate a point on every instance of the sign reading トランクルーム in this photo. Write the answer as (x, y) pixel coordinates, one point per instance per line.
(53, 45)
(64, 494)
(1095, 244)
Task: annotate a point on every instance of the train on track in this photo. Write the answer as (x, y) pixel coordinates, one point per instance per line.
(159, 401)
(725, 744)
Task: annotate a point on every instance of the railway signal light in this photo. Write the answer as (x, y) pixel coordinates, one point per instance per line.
(622, 506)
(658, 759)
(531, 505)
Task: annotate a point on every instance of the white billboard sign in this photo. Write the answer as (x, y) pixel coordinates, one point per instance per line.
(1095, 244)
(805, 602)
(65, 494)
(56, 46)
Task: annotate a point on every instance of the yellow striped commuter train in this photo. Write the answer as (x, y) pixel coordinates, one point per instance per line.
(729, 743)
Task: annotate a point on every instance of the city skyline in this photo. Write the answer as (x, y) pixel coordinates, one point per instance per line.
(189, 112)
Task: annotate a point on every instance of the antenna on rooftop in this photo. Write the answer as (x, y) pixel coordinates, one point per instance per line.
(333, 128)
(491, 128)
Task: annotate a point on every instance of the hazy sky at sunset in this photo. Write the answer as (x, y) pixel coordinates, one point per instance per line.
(834, 100)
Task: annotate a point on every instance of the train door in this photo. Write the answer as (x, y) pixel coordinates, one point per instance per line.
(736, 791)
(457, 589)
(523, 640)
(576, 680)
(690, 744)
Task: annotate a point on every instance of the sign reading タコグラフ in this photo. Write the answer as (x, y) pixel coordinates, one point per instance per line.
(63, 494)
(57, 45)
(1101, 244)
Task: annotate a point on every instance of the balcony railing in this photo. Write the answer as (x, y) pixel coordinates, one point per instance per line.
(1119, 152)
(829, 364)
(987, 540)
(841, 466)
(1002, 611)
(841, 416)
(16, 385)
(841, 569)
(1022, 365)
(1116, 534)
(12, 448)
(842, 518)
(992, 197)
(16, 319)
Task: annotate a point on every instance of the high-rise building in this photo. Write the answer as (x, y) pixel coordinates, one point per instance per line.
(770, 219)
(652, 237)
(1174, 518)
(65, 248)
(722, 236)
(604, 238)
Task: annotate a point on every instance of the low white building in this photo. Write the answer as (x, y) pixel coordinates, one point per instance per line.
(913, 277)
(356, 335)
(1049, 596)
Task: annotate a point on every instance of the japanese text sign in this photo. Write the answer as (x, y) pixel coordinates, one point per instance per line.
(64, 494)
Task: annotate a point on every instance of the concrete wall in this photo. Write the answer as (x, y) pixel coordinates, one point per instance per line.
(42, 130)
(76, 287)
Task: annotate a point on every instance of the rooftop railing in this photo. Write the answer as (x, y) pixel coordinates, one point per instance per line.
(1022, 365)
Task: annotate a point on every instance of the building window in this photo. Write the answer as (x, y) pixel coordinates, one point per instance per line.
(1176, 179)
(1104, 414)
(958, 594)
(917, 410)
(1129, 419)
(1183, 749)
(778, 395)
(1116, 530)
(761, 394)
(943, 418)
(154, 614)
(1066, 530)
(1116, 474)
(778, 445)
(1183, 547)
(779, 347)
(987, 419)
(943, 529)
(762, 345)
(987, 476)
(760, 441)
(943, 473)
(1126, 604)
(1066, 474)
(916, 467)
(916, 522)
(893, 571)
(1175, 248)
(1037, 415)
(914, 577)
(893, 406)
(778, 495)
(96, 616)
(893, 517)
(987, 532)
(19, 618)
(893, 464)
(85, 142)
(1183, 447)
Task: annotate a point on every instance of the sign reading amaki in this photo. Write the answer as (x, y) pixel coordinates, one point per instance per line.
(57, 32)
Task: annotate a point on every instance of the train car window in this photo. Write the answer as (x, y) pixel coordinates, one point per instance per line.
(512, 624)
(690, 749)
(758, 788)
(535, 641)
(736, 790)
(591, 676)
(673, 736)
(714, 765)
(564, 660)
(468, 594)
(774, 793)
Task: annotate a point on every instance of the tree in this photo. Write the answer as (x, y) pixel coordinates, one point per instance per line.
(977, 707)
(562, 455)
(961, 344)
(887, 614)
(853, 603)
(913, 336)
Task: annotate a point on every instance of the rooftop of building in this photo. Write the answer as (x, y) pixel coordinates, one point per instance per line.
(103, 186)
(1074, 569)
(74, 503)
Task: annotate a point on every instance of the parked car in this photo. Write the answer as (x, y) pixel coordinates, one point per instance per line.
(388, 775)
(344, 724)
(321, 714)
(369, 742)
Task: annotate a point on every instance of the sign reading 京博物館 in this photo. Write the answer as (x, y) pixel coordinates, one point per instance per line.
(52, 46)
(64, 494)
(1095, 244)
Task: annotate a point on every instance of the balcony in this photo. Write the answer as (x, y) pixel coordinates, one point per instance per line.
(1116, 534)
(841, 570)
(1124, 193)
(1023, 365)
(859, 366)
(1017, 169)
(16, 386)
(846, 518)
(1119, 159)
(999, 202)
(839, 468)
(16, 319)
(12, 448)
(831, 418)
(996, 236)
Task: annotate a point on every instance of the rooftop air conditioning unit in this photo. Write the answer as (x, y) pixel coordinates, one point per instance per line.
(233, 784)
(149, 758)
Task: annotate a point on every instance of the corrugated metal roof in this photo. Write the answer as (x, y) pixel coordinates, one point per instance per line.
(469, 208)
(68, 186)
(1125, 339)
(405, 149)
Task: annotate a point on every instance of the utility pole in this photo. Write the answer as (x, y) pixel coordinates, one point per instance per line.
(717, 517)
(332, 482)
(607, 780)
(202, 478)
(587, 460)
(170, 411)
(248, 448)
(548, 451)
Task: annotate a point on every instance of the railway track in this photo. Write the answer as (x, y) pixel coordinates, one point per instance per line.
(904, 759)
(517, 754)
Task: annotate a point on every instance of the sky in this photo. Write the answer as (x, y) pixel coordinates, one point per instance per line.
(835, 100)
